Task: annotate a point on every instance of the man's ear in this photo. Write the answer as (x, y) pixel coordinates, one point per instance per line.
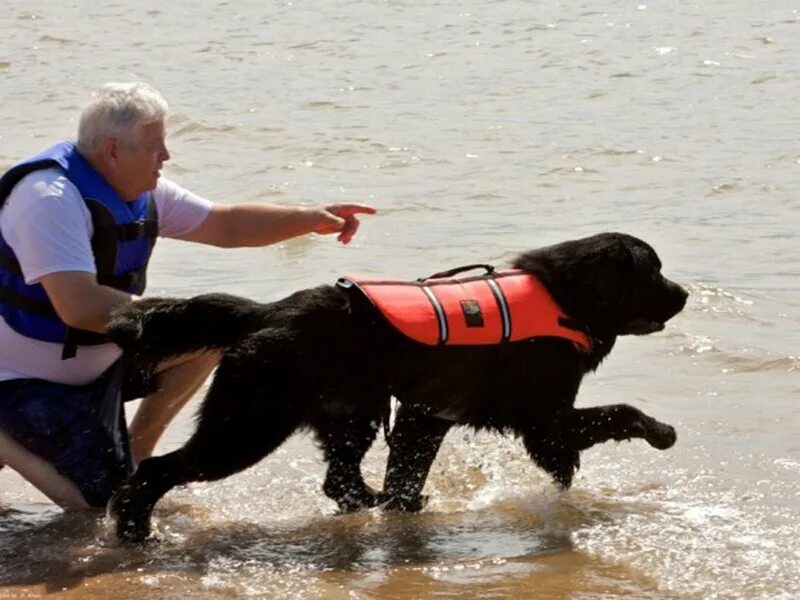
(107, 151)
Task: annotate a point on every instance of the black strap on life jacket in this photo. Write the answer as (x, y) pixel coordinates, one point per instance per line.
(10, 263)
(36, 307)
(12, 177)
(105, 240)
(108, 235)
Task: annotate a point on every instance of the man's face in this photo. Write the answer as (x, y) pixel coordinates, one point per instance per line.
(139, 160)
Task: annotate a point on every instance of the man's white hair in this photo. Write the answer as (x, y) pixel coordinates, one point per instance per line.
(115, 111)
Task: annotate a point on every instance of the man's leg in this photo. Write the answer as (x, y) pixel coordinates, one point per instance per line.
(41, 474)
(177, 380)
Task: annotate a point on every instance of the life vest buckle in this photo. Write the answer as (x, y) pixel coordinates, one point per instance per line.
(133, 231)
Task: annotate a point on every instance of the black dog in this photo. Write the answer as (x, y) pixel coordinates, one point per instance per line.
(325, 359)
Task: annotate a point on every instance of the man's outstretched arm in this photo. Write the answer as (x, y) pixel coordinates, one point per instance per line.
(253, 225)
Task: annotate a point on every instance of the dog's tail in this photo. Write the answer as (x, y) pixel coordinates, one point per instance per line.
(157, 328)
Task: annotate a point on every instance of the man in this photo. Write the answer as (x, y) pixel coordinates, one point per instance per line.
(77, 225)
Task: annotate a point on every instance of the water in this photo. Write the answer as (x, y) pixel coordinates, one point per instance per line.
(478, 129)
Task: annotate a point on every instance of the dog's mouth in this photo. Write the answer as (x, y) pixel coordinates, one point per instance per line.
(641, 327)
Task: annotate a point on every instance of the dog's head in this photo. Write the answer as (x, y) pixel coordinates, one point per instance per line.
(610, 282)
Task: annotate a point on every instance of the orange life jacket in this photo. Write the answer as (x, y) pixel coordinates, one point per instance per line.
(499, 306)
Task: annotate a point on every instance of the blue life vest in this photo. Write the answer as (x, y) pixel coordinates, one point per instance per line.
(124, 235)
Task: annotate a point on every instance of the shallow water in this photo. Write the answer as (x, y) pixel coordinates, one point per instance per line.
(478, 130)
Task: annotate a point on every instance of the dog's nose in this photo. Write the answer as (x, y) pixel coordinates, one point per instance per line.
(681, 295)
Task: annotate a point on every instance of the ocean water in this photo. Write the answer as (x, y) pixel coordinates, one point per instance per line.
(478, 129)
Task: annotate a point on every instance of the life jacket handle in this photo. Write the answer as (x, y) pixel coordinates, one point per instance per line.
(451, 272)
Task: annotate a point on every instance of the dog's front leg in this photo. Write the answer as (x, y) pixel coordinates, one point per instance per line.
(556, 447)
(586, 427)
(413, 444)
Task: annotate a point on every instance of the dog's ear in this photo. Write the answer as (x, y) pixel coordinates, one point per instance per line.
(643, 259)
(608, 271)
(638, 256)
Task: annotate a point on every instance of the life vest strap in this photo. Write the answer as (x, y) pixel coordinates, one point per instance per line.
(122, 282)
(14, 176)
(73, 338)
(36, 307)
(80, 337)
(457, 270)
(133, 231)
(107, 236)
(10, 263)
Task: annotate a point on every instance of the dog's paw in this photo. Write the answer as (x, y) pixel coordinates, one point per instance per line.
(400, 503)
(132, 525)
(132, 533)
(563, 473)
(659, 435)
(355, 500)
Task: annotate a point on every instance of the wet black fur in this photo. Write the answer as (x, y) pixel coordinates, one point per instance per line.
(324, 359)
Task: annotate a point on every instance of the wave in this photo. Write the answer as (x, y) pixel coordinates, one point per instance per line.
(180, 125)
(744, 360)
(59, 40)
(716, 300)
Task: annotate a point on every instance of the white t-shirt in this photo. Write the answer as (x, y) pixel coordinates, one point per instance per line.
(47, 224)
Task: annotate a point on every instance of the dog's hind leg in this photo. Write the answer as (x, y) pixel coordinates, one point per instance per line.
(133, 502)
(345, 441)
(239, 423)
(413, 444)
(215, 451)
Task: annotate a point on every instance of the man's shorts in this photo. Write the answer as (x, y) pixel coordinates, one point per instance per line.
(81, 430)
